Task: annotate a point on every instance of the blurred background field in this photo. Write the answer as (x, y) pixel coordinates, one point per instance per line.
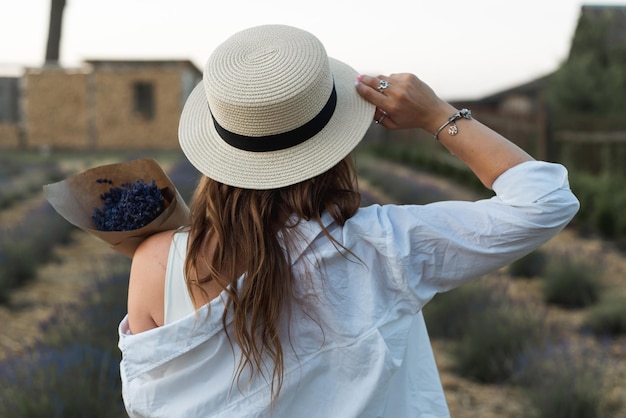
(545, 334)
(544, 337)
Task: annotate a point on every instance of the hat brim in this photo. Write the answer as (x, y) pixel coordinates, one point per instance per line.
(219, 161)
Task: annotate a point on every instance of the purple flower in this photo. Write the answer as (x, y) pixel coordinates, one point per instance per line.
(131, 206)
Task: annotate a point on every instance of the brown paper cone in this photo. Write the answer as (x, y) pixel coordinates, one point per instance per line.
(76, 197)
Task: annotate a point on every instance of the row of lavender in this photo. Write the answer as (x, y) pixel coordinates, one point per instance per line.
(74, 369)
(21, 179)
(28, 242)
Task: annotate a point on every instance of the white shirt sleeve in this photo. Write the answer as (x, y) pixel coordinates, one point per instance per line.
(436, 247)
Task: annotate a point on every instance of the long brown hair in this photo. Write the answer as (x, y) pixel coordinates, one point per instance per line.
(244, 224)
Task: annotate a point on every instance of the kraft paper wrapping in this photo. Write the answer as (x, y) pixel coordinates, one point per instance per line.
(76, 197)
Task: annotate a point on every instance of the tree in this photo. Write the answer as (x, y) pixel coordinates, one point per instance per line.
(593, 78)
(54, 31)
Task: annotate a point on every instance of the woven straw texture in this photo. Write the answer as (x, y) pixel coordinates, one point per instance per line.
(269, 80)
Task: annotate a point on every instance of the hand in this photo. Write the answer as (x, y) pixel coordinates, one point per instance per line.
(407, 101)
(410, 103)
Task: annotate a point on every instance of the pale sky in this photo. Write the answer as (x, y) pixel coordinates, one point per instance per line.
(463, 49)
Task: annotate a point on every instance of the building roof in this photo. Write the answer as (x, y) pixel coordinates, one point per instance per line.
(138, 63)
(530, 88)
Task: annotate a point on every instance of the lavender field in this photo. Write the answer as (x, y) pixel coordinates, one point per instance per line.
(505, 346)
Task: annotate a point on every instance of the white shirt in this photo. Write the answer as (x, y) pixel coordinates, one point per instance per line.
(359, 348)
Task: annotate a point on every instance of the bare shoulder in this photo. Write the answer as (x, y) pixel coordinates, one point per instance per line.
(147, 281)
(154, 247)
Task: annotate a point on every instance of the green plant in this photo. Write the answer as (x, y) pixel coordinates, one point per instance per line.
(495, 342)
(608, 216)
(587, 81)
(490, 331)
(22, 267)
(607, 318)
(562, 381)
(602, 199)
(531, 265)
(449, 314)
(572, 284)
(6, 283)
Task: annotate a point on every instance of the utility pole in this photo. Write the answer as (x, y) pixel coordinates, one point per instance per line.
(54, 31)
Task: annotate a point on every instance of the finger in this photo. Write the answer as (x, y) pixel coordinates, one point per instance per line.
(367, 87)
(370, 81)
(384, 119)
(379, 116)
(380, 83)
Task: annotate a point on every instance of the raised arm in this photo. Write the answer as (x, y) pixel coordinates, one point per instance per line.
(407, 102)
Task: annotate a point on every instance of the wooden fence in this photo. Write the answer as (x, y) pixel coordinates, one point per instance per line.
(590, 151)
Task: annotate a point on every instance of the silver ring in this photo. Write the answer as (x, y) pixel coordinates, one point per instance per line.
(382, 85)
(380, 120)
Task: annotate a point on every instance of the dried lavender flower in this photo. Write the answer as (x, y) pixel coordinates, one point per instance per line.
(131, 206)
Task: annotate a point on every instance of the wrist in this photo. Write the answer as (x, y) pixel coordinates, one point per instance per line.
(439, 117)
(450, 124)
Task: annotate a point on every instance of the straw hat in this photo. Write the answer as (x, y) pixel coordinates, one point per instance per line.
(272, 110)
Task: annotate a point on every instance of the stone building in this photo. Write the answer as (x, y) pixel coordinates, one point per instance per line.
(103, 105)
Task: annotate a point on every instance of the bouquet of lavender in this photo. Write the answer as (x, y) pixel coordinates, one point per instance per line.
(144, 203)
(131, 206)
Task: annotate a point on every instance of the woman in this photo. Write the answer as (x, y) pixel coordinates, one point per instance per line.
(283, 297)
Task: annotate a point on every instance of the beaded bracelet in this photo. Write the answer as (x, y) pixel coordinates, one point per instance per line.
(453, 129)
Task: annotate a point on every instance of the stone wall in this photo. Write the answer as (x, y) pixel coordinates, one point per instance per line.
(118, 123)
(103, 105)
(9, 136)
(56, 107)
